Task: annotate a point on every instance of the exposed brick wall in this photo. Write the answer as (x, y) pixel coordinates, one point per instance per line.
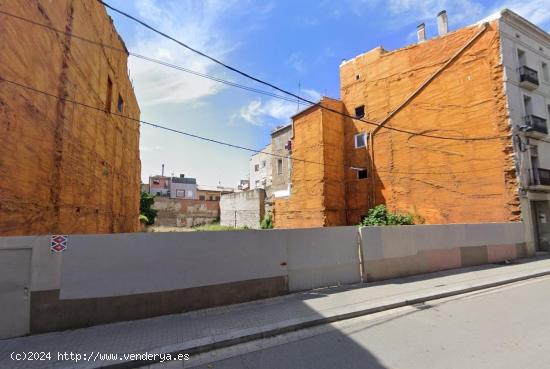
(442, 181)
(185, 212)
(65, 168)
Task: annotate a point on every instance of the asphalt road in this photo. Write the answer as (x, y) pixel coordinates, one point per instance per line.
(507, 327)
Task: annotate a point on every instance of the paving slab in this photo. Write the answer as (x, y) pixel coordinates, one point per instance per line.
(208, 329)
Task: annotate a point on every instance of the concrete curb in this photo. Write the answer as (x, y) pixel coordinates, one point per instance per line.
(223, 342)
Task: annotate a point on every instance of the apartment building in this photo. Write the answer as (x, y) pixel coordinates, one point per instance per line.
(181, 187)
(526, 59)
(452, 129)
(281, 164)
(260, 169)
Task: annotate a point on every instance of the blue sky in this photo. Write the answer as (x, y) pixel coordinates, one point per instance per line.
(286, 42)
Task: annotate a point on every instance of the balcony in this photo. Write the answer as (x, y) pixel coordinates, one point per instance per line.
(528, 78)
(540, 179)
(536, 126)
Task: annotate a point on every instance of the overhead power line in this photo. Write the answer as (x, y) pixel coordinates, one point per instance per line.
(247, 88)
(192, 135)
(247, 75)
(152, 60)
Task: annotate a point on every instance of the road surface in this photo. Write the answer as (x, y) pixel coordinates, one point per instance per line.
(501, 328)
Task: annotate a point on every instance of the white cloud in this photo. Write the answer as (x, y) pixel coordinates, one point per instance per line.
(257, 111)
(536, 11)
(296, 61)
(193, 22)
(460, 11)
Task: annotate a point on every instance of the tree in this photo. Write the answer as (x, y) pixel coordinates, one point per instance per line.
(380, 216)
(267, 222)
(145, 209)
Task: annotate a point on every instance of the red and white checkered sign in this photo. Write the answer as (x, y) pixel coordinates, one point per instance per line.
(58, 243)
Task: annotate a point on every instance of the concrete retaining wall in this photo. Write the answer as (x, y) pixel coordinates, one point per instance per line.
(107, 278)
(390, 252)
(243, 209)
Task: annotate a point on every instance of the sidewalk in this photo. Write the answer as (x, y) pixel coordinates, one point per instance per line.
(208, 329)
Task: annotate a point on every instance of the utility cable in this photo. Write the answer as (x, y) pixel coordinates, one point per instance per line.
(242, 73)
(155, 125)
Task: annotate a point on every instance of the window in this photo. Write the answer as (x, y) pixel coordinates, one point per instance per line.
(545, 72)
(279, 166)
(360, 111)
(256, 167)
(180, 193)
(263, 163)
(201, 197)
(120, 104)
(217, 198)
(362, 174)
(521, 58)
(257, 183)
(211, 198)
(361, 140)
(527, 105)
(109, 96)
(190, 194)
(156, 181)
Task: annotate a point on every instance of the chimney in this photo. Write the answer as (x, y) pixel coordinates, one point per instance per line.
(442, 23)
(421, 32)
(162, 170)
(182, 175)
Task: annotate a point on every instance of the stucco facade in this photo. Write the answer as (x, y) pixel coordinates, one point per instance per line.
(260, 169)
(281, 164)
(66, 168)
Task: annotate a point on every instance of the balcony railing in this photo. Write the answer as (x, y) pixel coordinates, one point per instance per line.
(536, 124)
(528, 76)
(541, 177)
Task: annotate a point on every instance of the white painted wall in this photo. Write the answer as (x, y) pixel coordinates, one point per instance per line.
(264, 169)
(321, 257)
(517, 35)
(136, 263)
(123, 264)
(399, 241)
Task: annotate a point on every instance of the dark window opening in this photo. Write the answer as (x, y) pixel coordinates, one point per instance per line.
(360, 111)
(109, 96)
(120, 104)
(201, 198)
(362, 174)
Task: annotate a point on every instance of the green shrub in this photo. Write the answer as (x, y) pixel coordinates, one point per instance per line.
(145, 209)
(267, 222)
(380, 216)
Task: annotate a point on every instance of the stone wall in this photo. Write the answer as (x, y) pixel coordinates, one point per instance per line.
(65, 168)
(243, 209)
(185, 212)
